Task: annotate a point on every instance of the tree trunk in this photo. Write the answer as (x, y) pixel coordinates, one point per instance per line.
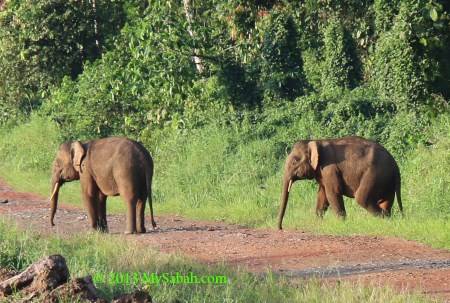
(190, 18)
(96, 30)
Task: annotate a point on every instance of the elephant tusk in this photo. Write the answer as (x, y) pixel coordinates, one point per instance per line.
(54, 191)
(290, 185)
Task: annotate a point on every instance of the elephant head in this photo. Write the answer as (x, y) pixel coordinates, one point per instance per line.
(301, 164)
(66, 168)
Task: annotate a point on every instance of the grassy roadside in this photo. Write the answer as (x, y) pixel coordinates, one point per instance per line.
(213, 174)
(102, 254)
(207, 175)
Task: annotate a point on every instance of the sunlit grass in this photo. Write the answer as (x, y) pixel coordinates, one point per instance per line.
(94, 254)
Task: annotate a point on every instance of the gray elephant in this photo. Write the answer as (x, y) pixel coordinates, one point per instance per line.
(106, 167)
(352, 167)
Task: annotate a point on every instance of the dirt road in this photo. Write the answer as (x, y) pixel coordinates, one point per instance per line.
(379, 260)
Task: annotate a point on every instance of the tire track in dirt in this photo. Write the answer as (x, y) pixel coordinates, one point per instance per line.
(379, 260)
(367, 268)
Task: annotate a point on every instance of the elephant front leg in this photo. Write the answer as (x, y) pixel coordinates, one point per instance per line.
(90, 204)
(91, 197)
(322, 203)
(102, 224)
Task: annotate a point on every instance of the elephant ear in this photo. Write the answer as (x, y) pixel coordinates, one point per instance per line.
(313, 148)
(77, 152)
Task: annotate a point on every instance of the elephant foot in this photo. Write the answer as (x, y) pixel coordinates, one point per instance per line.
(141, 230)
(98, 231)
(104, 226)
(102, 229)
(100, 226)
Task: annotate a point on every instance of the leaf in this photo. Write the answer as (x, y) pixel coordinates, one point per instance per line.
(423, 41)
(434, 14)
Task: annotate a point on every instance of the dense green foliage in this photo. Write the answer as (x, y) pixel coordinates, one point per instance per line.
(43, 41)
(254, 56)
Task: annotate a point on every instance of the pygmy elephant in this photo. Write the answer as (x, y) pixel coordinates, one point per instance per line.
(106, 167)
(354, 167)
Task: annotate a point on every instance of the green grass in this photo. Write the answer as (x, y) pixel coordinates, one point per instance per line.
(94, 254)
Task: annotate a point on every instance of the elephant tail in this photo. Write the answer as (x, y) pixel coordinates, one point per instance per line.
(149, 180)
(398, 186)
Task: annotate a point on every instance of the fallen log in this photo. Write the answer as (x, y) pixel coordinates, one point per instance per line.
(76, 290)
(47, 280)
(46, 274)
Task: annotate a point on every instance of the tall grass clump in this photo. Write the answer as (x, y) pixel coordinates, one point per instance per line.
(426, 183)
(210, 174)
(27, 152)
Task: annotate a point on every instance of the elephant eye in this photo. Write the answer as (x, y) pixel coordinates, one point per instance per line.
(294, 161)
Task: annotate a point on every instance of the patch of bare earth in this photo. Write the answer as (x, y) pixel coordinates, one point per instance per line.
(406, 265)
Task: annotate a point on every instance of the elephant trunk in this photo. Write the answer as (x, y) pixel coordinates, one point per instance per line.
(287, 183)
(54, 200)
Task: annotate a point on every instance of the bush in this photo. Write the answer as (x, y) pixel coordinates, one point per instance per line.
(384, 11)
(341, 68)
(406, 67)
(143, 82)
(282, 65)
(43, 41)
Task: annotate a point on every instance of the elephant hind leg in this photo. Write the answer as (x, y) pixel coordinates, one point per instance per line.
(131, 218)
(150, 200)
(385, 209)
(369, 195)
(386, 205)
(366, 198)
(378, 207)
(374, 208)
(129, 192)
(140, 208)
(131, 203)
